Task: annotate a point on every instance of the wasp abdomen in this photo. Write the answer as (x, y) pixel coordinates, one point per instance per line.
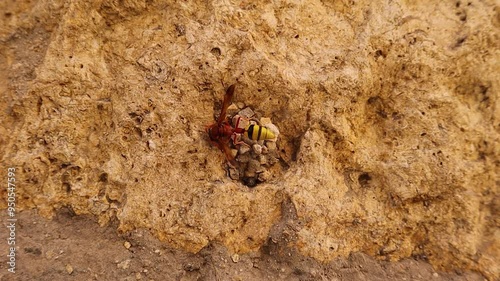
(256, 132)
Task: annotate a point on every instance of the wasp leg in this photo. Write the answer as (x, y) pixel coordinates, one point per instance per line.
(229, 155)
(237, 140)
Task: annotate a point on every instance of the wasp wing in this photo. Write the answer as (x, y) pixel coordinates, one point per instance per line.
(227, 101)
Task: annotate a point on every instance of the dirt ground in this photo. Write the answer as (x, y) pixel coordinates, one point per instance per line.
(74, 247)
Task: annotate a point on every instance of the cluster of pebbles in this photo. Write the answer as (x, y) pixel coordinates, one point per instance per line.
(255, 158)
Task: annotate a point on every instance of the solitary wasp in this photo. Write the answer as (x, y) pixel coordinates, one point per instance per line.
(222, 132)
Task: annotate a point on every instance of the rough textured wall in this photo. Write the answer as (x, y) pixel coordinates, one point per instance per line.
(387, 112)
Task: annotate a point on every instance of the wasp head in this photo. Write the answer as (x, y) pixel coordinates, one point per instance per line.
(213, 132)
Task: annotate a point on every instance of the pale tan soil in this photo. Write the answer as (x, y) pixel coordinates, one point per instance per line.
(47, 248)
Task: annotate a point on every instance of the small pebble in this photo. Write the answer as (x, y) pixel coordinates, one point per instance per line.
(234, 152)
(435, 275)
(232, 107)
(257, 148)
(260, 170)
(234, 173)
(151, 145)
(235, 258)
(69, 268)
(246, 112)
(244, 158)
(264, 176)
(265, 120)
(249, 174)
(127, 244)
(124, 264)
(265, 150)
(50, 254)
(271, 145)
(253, 165)
(240, 105)
(243, 149)
(262, 159)
(272, 160)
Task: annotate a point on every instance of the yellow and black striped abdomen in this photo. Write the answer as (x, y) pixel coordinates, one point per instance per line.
(256, 132)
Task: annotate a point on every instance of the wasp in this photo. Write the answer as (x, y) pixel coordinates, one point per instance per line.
(222, 132)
